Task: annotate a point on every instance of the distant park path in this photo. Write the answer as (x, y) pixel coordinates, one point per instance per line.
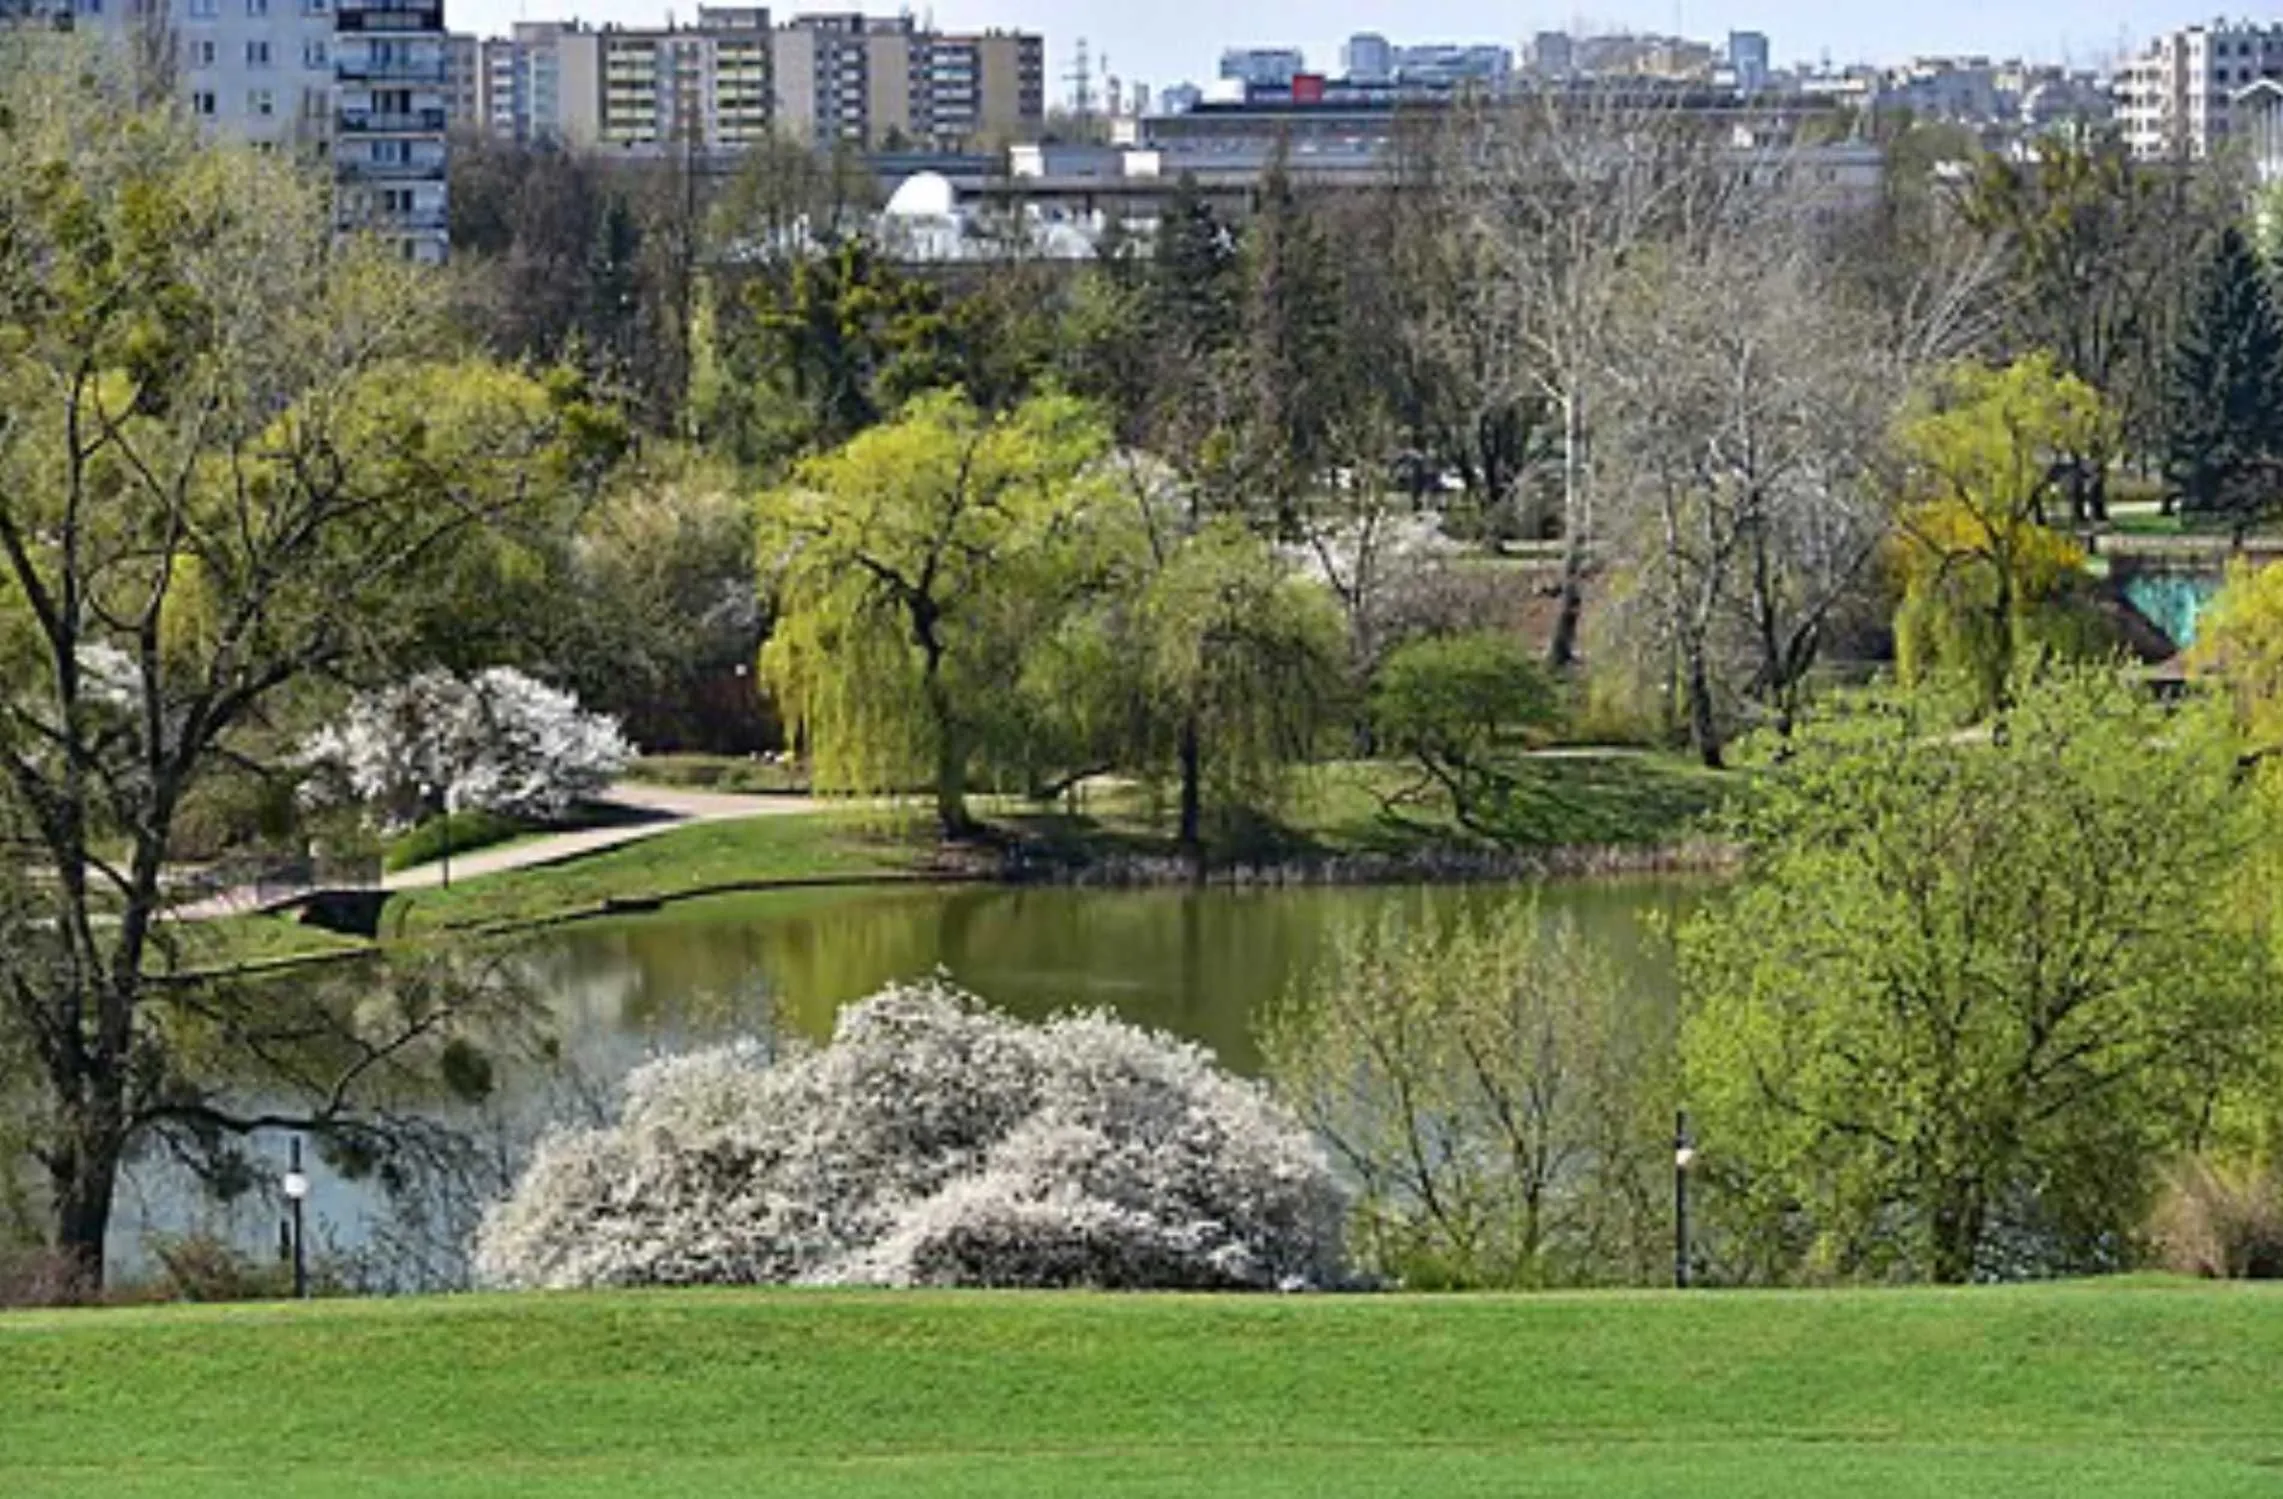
(649, 811)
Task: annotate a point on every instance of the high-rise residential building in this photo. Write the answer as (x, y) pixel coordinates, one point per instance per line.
(543, 82)
(1368, 58)
(1263, 67)
(391, 78)
(2179, 98)
(1553, 54)
(886, 82)
(463, 81)
(363, 84)
(1748, 59)
(707, 86)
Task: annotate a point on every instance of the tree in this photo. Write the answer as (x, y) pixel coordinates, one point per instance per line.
(1554, 202)
(1457, 706)
(1984, 580)
(1497, 1109)
(816, 349)
(931, 1143)
(1748, 405)
(909, 568)
(231, 467)
(1242, 662)
(1290, 356)
(498, 742)
(2088, 241)
(2223, 412)
(1972, 992)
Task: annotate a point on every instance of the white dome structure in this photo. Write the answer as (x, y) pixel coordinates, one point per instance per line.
(923, 197)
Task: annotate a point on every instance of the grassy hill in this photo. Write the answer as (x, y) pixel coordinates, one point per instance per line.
(2138, 1388)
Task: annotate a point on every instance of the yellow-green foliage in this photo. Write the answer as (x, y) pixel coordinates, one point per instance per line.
(1984, 581)
(908, 570)
(2239, 644)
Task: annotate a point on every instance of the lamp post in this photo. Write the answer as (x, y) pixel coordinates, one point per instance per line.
(296, 1186)
(1684, 1161)
(443, 799)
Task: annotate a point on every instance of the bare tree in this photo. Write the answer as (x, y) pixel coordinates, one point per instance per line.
(1551, 200)
(1748, 403)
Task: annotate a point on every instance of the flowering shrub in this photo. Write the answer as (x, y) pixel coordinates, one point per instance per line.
(497, 742)
(932, 1143)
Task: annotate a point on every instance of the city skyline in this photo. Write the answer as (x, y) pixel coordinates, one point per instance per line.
(1178, 41)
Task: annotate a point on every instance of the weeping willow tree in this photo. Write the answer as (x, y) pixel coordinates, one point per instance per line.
(909, 568)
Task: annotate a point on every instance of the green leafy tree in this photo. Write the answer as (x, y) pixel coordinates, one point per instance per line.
(1244, 663)
(1973, 992)
(232, 472)
(909, 570)
(2223, 413)
(1985, 581)
(1457, 706)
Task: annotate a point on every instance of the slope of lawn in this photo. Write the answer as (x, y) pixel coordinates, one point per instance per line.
(2125, 1389)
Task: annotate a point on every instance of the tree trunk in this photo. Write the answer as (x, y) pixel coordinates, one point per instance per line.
(84, 1182)
(1562, 653)
(1192, 795)
(1955, 1233)
(1703, 727)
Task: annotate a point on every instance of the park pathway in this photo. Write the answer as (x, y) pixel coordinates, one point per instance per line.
(648, 810)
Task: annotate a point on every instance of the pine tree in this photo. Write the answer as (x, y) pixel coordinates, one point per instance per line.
(2224, 399)
(1291, 351)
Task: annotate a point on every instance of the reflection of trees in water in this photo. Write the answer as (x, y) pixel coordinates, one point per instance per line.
(605, 998)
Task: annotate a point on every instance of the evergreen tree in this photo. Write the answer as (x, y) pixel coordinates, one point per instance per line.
(1291, 351)
(2224, 400)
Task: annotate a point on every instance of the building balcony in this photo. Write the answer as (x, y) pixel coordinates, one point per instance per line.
(392, 122)
(393, 23)
(351, 169)
(392, 70)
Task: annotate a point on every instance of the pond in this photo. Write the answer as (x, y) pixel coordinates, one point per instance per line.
(1196, 963)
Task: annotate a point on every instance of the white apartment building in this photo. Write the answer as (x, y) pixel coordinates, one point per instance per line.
(361, 83)
(2179, 98)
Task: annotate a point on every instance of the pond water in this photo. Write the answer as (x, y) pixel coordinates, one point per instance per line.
(1197, 963)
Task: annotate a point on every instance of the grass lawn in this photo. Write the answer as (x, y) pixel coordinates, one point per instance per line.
(2126, 1389)
(801, 847)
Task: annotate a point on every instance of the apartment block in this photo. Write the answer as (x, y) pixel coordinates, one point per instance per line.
(883, 82)
(706, 86)
(361, 84)
(2180, 97)
(391, 79)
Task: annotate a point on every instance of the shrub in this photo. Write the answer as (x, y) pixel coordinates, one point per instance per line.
(2221, 1220)
(462, 832)
(931, 1143)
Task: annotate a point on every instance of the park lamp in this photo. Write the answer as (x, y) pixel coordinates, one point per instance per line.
(296, 1188)
(296, 1185)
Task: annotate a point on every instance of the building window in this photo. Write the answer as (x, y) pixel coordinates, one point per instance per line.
(257, 54)
(202, 105)
(315, 7)
(392, 153)
(204, 10)
(315, 55)
(260, 104)
(202, 54)
(257, 7)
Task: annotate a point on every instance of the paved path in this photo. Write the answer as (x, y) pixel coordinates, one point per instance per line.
(667, 810)
(662, 809)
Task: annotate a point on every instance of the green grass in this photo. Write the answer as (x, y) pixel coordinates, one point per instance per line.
(824, 845)
(252, 942)
(459, 833)
(2087, 1392)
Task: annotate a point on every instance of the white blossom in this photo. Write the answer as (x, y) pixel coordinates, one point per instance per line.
(931, 1143)
(499, 742)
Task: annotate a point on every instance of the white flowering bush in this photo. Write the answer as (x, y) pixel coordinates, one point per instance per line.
(496, 742)
(931, 1143)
